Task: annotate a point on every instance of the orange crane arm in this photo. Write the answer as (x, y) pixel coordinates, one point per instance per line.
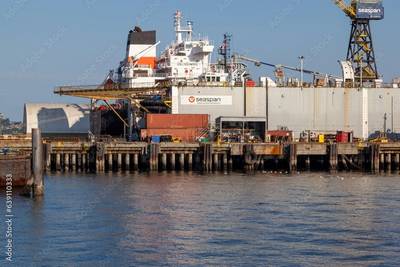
(347, 9)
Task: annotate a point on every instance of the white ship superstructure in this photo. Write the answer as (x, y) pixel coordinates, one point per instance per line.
(185, 61)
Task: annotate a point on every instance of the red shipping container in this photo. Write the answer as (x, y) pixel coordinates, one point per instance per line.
(250, 83)
(342, 137)
(176, 121)
(185, 135)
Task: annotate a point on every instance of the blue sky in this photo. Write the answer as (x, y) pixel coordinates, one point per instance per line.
(48, 43)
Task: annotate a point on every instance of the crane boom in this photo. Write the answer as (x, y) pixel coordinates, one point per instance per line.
(347, 9)
(259, 63)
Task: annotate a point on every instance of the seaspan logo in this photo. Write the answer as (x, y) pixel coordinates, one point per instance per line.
(192, 99)
(206, 100)
(369, 10)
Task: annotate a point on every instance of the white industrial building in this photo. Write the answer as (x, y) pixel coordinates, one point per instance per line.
(57, 119)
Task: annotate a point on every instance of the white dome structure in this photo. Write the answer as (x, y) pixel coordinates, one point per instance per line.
(57, 118)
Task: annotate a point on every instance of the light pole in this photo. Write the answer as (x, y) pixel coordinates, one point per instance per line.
(301, 70)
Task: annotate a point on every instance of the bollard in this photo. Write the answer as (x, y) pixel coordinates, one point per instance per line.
(37, 160)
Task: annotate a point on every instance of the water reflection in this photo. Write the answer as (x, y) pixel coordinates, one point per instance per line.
(189, 219)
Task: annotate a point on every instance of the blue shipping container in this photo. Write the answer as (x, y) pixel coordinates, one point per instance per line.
(156, 139)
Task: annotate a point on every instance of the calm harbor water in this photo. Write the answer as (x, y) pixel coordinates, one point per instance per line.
(225, 220)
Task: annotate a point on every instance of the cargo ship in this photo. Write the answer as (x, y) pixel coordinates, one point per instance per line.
(182, 80)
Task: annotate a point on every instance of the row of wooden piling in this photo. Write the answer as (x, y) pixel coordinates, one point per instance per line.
(208, 157)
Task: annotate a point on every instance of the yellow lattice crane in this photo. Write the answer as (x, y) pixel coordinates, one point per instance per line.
(360, 51)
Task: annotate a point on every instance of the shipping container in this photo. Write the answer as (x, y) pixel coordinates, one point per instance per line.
(342, 137)
(176, 121)
(184, 135)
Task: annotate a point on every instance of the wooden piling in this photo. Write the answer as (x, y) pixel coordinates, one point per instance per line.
(215, 162)
(58, 162)
(230, 163)
(333, 157)
(163, 161)
(119, 161)
(37, 163)
(374, 157)
(79, 161)
(109, 162)
(66, 162)
(292, 158)
(127, 162)
(382, 161)
(84, 161)
(225, 161)
(207, 161)
(396, 161)
(135, 161)
(153, 150)
(172, 161)
(190, 161)
(48, 156)
(73, 162)
(388, 162)
(182, 161)
(308, 163)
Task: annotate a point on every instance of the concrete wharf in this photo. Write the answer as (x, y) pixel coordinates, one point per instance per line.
(119, 155)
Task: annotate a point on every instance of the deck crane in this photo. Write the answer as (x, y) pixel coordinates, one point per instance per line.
(279, 68)
(360, 51)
